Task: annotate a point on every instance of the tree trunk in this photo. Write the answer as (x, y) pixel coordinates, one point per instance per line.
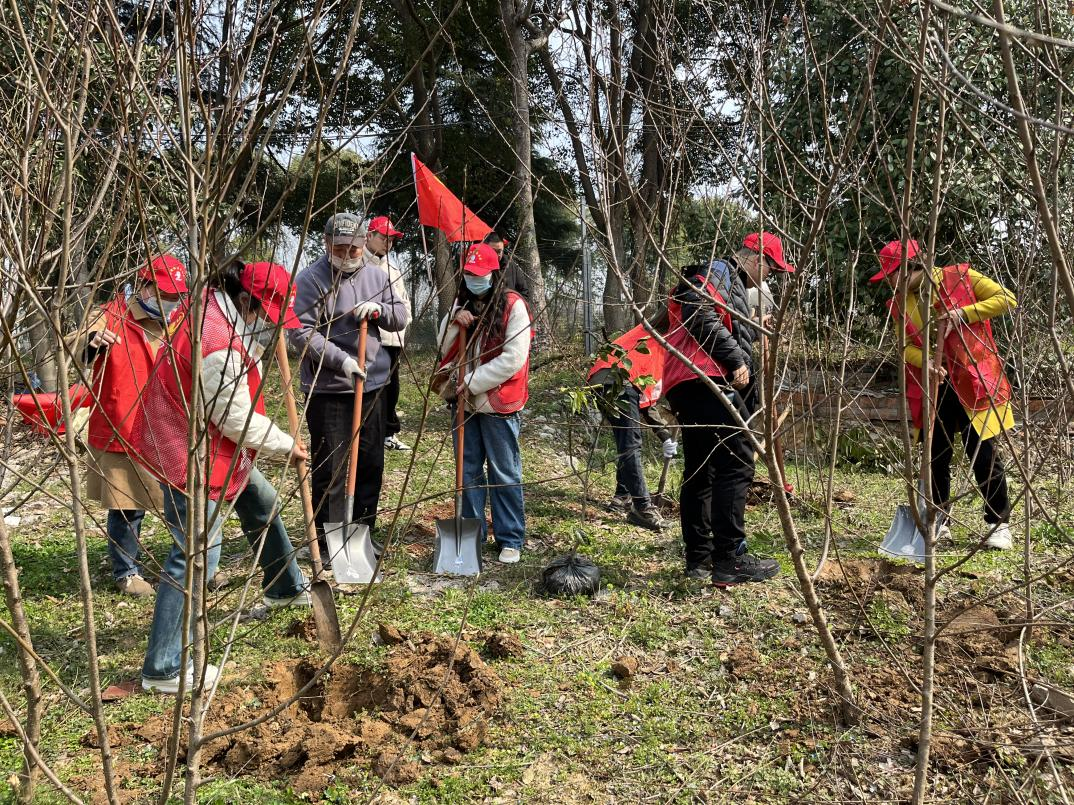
(525, 251)
(44, 357)
(617, 314)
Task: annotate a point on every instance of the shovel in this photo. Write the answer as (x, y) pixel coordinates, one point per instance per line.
(904, 539)
(458, 546)
(349, 545)
(659, 499)
(324, 603)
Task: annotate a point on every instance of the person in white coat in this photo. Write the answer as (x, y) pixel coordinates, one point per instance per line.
(493, 387)
(380, 238)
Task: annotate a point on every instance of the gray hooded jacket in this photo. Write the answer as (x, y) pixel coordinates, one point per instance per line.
(324, 301)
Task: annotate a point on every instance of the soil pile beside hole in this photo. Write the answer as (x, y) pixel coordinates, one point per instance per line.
(433, 697)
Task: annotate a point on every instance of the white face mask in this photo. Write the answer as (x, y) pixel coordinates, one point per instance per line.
(347, 265)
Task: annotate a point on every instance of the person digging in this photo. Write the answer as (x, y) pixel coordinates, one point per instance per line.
(630, 379)
(974, 393)
(245, 308)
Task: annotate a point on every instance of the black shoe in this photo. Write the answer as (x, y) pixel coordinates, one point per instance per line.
(702, 571)
(620, 503)
(649, 517)
(744, 568)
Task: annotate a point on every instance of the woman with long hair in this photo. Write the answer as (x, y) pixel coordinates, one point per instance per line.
(493, 388)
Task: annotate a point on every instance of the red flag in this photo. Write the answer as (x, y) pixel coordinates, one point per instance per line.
(439, 207)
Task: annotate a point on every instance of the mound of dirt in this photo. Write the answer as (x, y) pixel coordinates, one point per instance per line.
(432, 698)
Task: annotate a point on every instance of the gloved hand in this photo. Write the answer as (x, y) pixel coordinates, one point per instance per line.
(351, 369)
(671, 448)
(367, 310)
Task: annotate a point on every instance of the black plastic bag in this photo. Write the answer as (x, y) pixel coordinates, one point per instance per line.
(570, 575)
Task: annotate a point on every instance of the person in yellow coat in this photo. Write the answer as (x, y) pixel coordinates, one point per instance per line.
(974, 394)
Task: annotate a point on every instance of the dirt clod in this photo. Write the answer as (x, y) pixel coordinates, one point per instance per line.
(389, 635)
(625, 667)
(503, 645)
(394, 769)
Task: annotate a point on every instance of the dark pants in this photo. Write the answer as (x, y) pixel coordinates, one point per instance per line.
(951, 419)
(624, 415)
(391, 393)
(719, 465)
(329, 419)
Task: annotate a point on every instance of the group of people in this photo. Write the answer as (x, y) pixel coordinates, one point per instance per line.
(151, 373)
(704, 357)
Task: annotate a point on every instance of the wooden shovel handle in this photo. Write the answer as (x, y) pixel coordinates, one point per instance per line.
(460, 414)
(356, 420)
(302, 465)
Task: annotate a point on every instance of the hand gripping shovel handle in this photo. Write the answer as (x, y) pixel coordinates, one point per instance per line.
(460, 430)
(303, 465)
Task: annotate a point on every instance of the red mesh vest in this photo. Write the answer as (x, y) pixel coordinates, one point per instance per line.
(119, 375)
(675, 370)
(971, 357)
(511, 395)
(161, 437)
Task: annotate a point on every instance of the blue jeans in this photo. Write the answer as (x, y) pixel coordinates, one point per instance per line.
(124, 528)
(256, 510)
(493, 441)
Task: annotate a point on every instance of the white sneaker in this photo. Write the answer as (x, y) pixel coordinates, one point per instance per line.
(1000, 539)
(302, 600)
(172, 685)
(393, 443)
(509, 556)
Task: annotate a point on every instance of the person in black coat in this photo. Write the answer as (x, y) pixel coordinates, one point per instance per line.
(709, 322)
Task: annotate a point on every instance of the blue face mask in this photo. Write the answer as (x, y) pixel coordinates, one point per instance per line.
(150, 307)
(478, 286)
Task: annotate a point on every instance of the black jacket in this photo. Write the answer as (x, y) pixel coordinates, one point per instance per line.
(731, 348)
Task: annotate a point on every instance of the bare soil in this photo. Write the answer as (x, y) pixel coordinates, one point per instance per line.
(431, 700)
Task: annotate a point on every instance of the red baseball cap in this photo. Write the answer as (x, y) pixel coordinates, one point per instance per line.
(481, 260)
(167, 271)
(270, 284)
(773, 249)
(383, 225)
(891, 258)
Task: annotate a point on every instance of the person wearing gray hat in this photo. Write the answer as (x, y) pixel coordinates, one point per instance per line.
(333, 296)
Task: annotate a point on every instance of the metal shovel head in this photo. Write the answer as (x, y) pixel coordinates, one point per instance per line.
(351, 551)
(903, 540)
(458, 551)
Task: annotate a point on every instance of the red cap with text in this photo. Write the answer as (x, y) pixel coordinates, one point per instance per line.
(167, 271)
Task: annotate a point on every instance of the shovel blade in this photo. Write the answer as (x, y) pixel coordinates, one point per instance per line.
(903, 540)
(458, 551)
(351, 552)
(325, 617)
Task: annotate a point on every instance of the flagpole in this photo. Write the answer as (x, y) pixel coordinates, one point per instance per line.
(424, 244)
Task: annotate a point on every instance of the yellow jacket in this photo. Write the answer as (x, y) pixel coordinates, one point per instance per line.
(992, 300)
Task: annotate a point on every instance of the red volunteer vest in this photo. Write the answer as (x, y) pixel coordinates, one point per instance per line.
(119, 375)
(971, 357)
(162, 439)
(675, 370)
(511, 395)
(641, 364)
